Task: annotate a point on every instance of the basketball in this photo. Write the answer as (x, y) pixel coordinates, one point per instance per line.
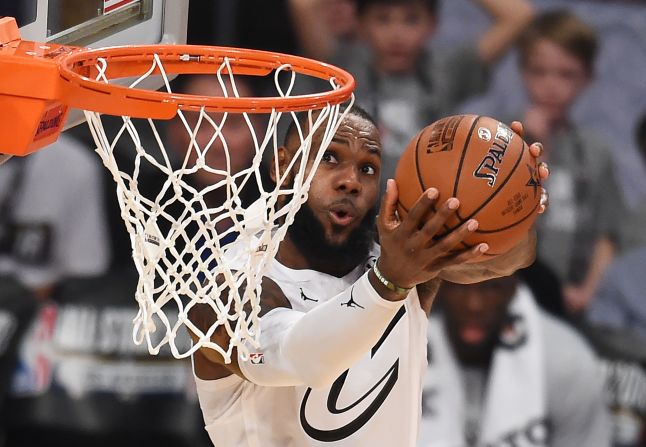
(483, 163)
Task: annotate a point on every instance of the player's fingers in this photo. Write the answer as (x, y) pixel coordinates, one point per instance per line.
(434, 224)
(421, 210)
(517, 127)
(543, 170)
(387, 218)
(455, 237)
(536, 149)
(464, 256)
(544, 202)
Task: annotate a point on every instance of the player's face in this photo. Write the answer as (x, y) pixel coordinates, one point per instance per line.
(553, 77)
(345, 186)
(475, 314)
(397, 34)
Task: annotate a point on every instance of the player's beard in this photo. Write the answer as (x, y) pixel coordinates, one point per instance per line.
(308, 234)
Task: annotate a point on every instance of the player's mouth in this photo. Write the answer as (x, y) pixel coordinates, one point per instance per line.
(342, 214)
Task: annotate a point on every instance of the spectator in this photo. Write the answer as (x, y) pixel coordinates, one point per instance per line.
(52, 228)
(237, 133)
(577, 237)
(52, 221)
(619, 301)
(17, 307)
(399, 81)
(502, 372)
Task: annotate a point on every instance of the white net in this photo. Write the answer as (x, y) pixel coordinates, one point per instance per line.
(181, 232)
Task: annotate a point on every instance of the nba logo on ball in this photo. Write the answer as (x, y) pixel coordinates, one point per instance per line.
(257, 358)
(484, 134)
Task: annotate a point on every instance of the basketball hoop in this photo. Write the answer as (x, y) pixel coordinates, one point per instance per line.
(179, 237)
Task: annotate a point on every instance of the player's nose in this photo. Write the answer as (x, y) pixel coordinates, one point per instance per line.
(348, 179)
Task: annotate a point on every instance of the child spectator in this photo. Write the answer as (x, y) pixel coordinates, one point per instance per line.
(619, 301)
(577, 236)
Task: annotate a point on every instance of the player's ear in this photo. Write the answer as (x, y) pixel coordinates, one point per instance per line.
(280, 164)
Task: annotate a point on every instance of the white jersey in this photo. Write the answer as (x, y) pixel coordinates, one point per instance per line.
(376, 402)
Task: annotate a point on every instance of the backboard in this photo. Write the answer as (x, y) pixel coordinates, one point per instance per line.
(100, 23)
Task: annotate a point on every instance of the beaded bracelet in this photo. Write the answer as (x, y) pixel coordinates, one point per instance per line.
(390, 285)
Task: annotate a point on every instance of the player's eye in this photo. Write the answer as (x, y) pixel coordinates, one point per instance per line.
(329, 157)
(369, 170)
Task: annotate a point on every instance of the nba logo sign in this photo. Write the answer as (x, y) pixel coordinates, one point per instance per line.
(257, 358)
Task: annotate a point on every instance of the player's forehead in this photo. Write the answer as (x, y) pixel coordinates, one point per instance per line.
(356, 130)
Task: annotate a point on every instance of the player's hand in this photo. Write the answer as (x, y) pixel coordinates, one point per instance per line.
(411, 253)
(520, 256)
(536, 149)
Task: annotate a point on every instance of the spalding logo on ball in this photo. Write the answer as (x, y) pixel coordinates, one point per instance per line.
(483, 163)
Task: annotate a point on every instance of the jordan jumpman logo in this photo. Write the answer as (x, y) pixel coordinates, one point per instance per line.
(306, 298)
(351, 302)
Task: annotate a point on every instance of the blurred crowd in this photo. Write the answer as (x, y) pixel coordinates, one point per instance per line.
(564, 338)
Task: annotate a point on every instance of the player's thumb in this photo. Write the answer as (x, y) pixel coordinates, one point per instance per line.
(388, 212)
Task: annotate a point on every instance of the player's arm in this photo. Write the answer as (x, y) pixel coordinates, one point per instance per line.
(210, 364)
(300, 348)
(510, 17)
(313, 348)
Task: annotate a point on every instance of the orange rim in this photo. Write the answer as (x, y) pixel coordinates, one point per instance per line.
(81, 89)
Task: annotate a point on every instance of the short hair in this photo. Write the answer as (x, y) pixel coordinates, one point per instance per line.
(432, 6)
(301, 118)
(566, 30)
